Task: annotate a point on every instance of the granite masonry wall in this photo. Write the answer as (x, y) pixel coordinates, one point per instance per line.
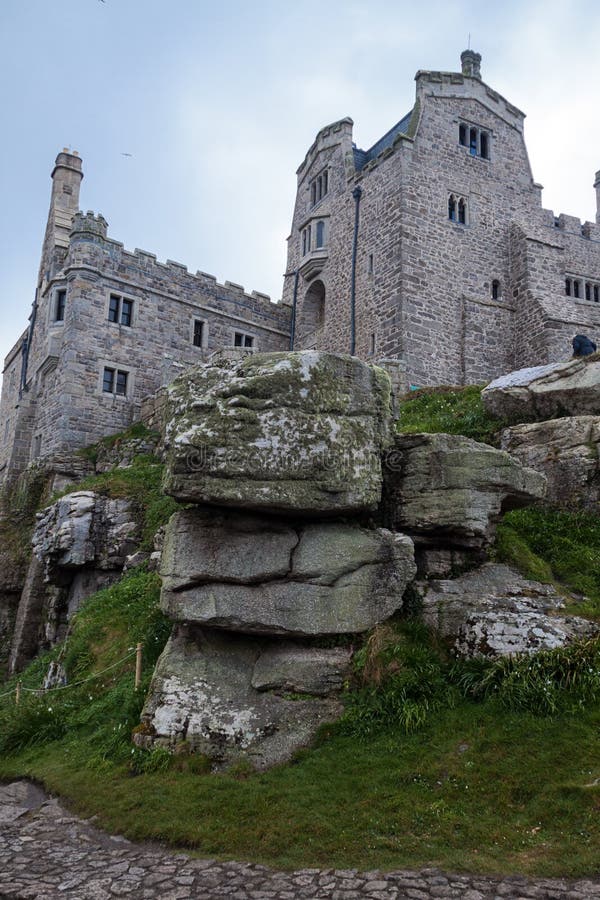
(424, 284)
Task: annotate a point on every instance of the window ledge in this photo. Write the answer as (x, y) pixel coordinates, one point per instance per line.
(313, 262)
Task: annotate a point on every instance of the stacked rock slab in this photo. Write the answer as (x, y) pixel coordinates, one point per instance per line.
(448, 492)
(566, 449)
(274, 449)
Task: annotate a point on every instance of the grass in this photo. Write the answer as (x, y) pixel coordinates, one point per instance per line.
(552, 545)
(379, 790)
(452, 410)
(140, 482)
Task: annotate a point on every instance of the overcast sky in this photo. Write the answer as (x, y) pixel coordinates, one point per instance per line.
(217, 103)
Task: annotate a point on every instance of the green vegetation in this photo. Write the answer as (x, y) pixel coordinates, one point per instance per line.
(435, 762)
(553, 545)
(137, 431)
(452, 410)
(141, 483)
(482, 766)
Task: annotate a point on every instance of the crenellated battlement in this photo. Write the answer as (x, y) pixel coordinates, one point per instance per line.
(571, 225)
(93, 228)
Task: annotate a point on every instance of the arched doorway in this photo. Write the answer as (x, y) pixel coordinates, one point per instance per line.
(311, 316)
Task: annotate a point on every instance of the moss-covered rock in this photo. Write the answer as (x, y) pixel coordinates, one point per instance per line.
(287, 432)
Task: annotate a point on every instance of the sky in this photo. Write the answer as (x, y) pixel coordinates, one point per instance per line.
(218, 102)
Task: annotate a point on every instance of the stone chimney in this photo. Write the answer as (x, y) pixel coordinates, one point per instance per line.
(64, 203)
(471, 63)
(597, 186)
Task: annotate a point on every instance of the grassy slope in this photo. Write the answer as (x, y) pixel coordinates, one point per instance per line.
(479, 785)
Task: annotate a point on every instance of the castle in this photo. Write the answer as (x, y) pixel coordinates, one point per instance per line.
(430, 252)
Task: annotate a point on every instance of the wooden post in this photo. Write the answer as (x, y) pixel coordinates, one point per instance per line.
(18, 693)
(138, 666)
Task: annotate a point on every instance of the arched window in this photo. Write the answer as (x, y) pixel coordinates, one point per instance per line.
(473, 141)
(320, 241)
(568, 287)
(495, 289)
(452, 208)
(462, 211)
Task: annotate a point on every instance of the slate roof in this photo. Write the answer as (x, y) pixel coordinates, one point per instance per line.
(362, 157)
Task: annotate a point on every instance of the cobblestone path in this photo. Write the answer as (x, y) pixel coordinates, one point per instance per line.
(45, 852)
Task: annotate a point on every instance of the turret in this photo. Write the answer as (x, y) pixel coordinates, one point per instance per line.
(471, 63)
(64, 203)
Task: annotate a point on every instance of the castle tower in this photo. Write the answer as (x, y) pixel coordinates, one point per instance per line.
(471, 63)
(64, 203)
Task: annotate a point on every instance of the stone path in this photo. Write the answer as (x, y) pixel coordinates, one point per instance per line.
(47, 853)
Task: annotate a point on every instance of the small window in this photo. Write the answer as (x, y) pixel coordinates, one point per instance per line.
(114, 381)
(495, 289)
(473, 141)
(452, 208)
(126, 312)
(588, 291)
(462, 211)
(243, 340)
(576, 288)
(477, 140)
(61, 302)
(306, 240)
(320, 237)
(372, 345)
(319, 187)
(371, 264)
(113, 308)
(37, 445)
(568, 287)
(120, 310)
(121, 386)
(108, 380)
(596, 293)
(198, 333)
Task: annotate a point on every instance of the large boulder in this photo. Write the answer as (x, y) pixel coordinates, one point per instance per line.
(566, 452)
(449, 491)
(493, 611)
(247, 573)
(202, 692)
(284, 432)
(569, 388)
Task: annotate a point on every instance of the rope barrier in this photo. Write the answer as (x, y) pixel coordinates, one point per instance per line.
(15, 692)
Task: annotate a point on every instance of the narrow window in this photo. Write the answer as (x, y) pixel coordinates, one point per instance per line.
(596, 293)
(308, 238)
(108, 380)
(370, 264)
(61, 300)
(37, 445)
(495, 289)
(372, 345)
(588, 291)
(452, 208)
(198, 332)
(126, 312)
(313, 193)
(325, 182)
(462, 212)
(576, 288)
(473, 142)
(568, 287)
(320, 240)
(484, 145)
(462, 135)
(121, 388)
(113, 308)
